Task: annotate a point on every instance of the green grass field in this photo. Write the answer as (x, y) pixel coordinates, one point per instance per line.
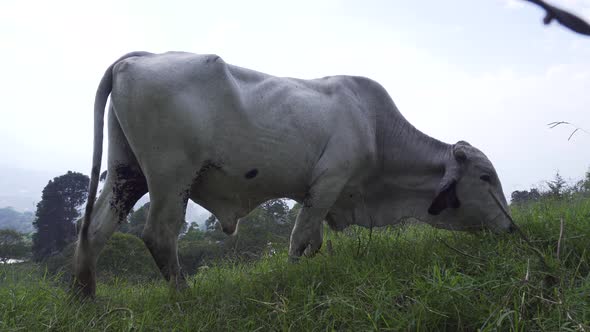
(407, 278)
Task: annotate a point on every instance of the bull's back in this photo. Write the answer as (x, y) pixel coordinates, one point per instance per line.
(263, 133)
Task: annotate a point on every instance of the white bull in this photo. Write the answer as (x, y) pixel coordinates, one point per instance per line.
(185, 126)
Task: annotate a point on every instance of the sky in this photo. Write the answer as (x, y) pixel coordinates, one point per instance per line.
(486, 71)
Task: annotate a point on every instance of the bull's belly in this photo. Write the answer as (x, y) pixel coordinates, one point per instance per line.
(231, 191)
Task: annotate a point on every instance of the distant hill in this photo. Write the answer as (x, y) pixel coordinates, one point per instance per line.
(21, 188)
(19, 221)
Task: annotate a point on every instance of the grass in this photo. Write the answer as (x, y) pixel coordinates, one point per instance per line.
(410, 278)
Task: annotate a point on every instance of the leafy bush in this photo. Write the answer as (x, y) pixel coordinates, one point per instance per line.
(12, 245)
(124, 256)
(265, 230)
(194, 254)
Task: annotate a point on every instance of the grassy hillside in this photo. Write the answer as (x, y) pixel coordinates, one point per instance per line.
(409, 278)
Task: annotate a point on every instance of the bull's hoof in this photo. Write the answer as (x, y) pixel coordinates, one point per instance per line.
(294, 259)
(82, 291)
(182, 285)
(178, 283)
(84, 283)
(311, 250)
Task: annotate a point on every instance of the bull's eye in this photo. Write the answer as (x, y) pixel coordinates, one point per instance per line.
(486, 178)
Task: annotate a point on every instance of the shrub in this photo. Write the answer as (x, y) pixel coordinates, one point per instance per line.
(124, 255)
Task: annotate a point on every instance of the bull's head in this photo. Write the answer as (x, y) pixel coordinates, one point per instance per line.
(464, 199)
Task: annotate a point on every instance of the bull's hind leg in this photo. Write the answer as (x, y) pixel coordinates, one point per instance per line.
(165, 220)
(124, 186)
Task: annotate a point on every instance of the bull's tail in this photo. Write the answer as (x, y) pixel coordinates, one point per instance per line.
(102, 93)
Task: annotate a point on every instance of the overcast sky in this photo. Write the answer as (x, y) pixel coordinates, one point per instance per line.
(484, 71)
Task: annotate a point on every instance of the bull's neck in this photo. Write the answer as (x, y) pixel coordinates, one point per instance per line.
(412, 170)
(409, 150)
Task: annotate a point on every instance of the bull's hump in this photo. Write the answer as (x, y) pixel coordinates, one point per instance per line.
(174, 66)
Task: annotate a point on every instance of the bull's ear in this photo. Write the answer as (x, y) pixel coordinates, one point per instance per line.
(445, 198)
(460, 151)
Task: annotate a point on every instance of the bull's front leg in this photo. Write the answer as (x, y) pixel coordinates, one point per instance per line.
(307, 235)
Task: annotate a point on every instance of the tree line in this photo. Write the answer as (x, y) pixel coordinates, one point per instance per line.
(262, 232)
(557, 188)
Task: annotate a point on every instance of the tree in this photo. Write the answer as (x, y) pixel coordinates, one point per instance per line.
(557, 187)
(524, 196)
(211, 223)
(196, 248)
(277, 209)
(12, 245)
(586, 182)
(581, 187)
(264, 230)
(193, 233)
(57, 212)
(267, 225)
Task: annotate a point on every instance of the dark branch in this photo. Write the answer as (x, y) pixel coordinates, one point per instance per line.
(567, 19)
